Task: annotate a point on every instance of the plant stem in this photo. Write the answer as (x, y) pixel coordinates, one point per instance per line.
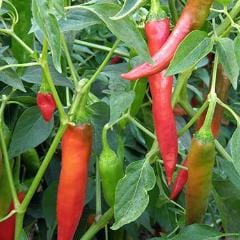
(100, 47)
(19, 40)
(46, 71)
(141, 127)
(103, 220)
(38, 177)
(225, 24)
(194, 119)
(181, 82)
(19, 65)
(5, 155)
(69, 60)
(222, 151)
(86, 87)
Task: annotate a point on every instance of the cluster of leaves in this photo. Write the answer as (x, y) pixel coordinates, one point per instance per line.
(143, 209)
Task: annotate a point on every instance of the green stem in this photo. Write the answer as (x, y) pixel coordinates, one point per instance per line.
(69, 60)
(46, 71)
(98, 191)
(225, 24)
(38, 177)
(86, 87)
(212, 97)
(19, 40)
(222, 151)
(140, 126)
(100, 47)
(194, 119)
(5, 155)
(173, 10)
(103, 220)
(187, 107)
(19, 65)
(156, 12)
(19, 224)
(181, 83)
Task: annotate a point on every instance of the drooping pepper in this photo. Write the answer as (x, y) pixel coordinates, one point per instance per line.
(7, 227)
(110, 169)
(222, 89)
(46, 105)
(192, 17)
(201, 158)
(157, 31)
(76, 152)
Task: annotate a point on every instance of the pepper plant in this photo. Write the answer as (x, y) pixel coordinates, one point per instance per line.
(87, 154)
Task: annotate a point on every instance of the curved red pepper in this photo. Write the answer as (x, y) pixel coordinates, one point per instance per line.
(157, 32)
(76, 151)
(192, 17)
(46, 105)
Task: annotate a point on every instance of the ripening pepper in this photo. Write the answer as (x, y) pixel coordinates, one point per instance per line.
(76, 151)
(46, 105)
(201, 158)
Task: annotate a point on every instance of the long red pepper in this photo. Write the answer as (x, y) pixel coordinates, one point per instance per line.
(7, 227)
(192, 17)
(157, 32)
(76, 151)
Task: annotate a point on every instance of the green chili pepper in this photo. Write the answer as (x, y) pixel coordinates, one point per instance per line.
(110, 169)
(201, 159)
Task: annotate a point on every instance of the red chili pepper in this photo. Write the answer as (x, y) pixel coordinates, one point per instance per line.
(192, 17)
(116, 59)
(179, 111)
(157, 32)
(180, 181)
(76, 151)
(46, 105)
(7, 227)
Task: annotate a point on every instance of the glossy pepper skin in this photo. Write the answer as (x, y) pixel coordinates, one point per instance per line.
(222, 89)
(76, 151)
(157, 32)
(192, 17)
(7, 227)
(201, 158)
(111, 171)
(46, 105)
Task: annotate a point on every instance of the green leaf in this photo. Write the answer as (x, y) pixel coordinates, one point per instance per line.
(200, 232)
(59, 79)
(10, 78)
(30, 131)
(235, 149)
(78, 19)
(124, 29)
(131, 193)
(49, 207)
(237, 48)
(129, 7)
(227, 57)
(227, 198)
(58, 5)
(47, 22)
(119, 102)
(194, 47)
